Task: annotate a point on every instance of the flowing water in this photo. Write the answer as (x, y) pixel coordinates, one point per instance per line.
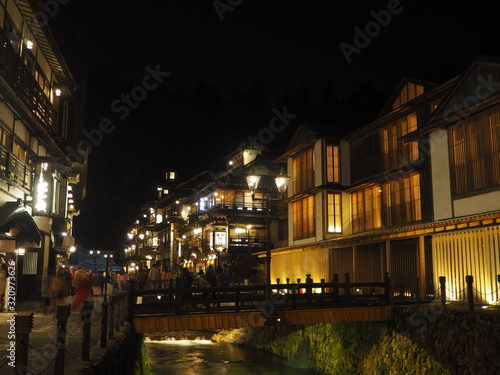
(204, 357)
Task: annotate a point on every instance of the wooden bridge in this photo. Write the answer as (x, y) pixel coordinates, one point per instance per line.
(176, 309)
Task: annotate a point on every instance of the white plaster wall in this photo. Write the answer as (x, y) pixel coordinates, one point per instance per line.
(477, 204)
(6, 115)
(22, 132)
(34, 144)
(440, 169)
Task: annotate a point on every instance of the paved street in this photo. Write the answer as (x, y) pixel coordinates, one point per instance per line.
(42, 348)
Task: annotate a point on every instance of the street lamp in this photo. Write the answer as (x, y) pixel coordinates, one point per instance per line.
(281, 182)
(94, 256)
(107, 257)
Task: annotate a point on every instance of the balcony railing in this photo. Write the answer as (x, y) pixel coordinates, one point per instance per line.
(253, 243)
(27, 90)
(15, 171)
(258, 207)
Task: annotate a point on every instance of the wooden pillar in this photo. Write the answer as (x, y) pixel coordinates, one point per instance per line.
(388, 256)
(111, 315)
(23, 325)
(354, 261)
(389, 293)
(421, 271)
(347, 288)
(86, 315)
(63, 313)
(469, 279)
(104, 323)
(442, 286)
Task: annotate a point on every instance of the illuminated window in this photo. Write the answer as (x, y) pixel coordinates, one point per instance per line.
(20, 151)
(395, 152)
(334, 213)
(401, 199)
(5, 139)
(409, 92)
(475, 154)
(366, 209)
(332, 164)
(303, 171)
(42, 81)
(303, 218)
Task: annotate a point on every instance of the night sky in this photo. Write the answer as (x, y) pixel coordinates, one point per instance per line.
(220, 72)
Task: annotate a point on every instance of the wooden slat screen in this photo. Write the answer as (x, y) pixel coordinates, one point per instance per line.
(473, 252)
(404, 262)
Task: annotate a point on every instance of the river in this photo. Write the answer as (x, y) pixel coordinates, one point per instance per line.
(203, 357)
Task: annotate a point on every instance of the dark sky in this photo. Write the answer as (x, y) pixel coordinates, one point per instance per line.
(228, 69)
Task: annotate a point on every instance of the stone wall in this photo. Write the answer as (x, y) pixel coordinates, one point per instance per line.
(124, 356)
(419, 341)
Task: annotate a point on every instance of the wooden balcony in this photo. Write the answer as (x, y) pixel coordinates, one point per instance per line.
(26, 90)
(15, 171)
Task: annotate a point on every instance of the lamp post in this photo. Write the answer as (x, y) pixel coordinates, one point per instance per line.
(19, 252)
(107, 257)
(105, 303)
(281, 182)
(94, 256)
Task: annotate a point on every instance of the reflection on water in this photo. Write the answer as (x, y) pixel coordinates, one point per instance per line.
(200, 357)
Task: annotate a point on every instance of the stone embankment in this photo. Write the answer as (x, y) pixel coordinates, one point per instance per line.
(424, 340)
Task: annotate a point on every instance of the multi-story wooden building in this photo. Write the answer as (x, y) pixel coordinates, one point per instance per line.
(215, 218)
(40, 123)
(415, 193)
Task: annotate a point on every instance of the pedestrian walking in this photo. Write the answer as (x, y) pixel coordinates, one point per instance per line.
(187, 282)
(82, 283)
(224, 277)
(123, 278)
(165, 277)
(154, 277)
(59, 289)
(142, 275)
(97, 283)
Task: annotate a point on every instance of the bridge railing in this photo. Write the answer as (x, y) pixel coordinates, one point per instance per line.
(176, 300)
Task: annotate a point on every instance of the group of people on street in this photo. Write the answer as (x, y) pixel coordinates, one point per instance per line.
(153, 278)
(77, 284)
